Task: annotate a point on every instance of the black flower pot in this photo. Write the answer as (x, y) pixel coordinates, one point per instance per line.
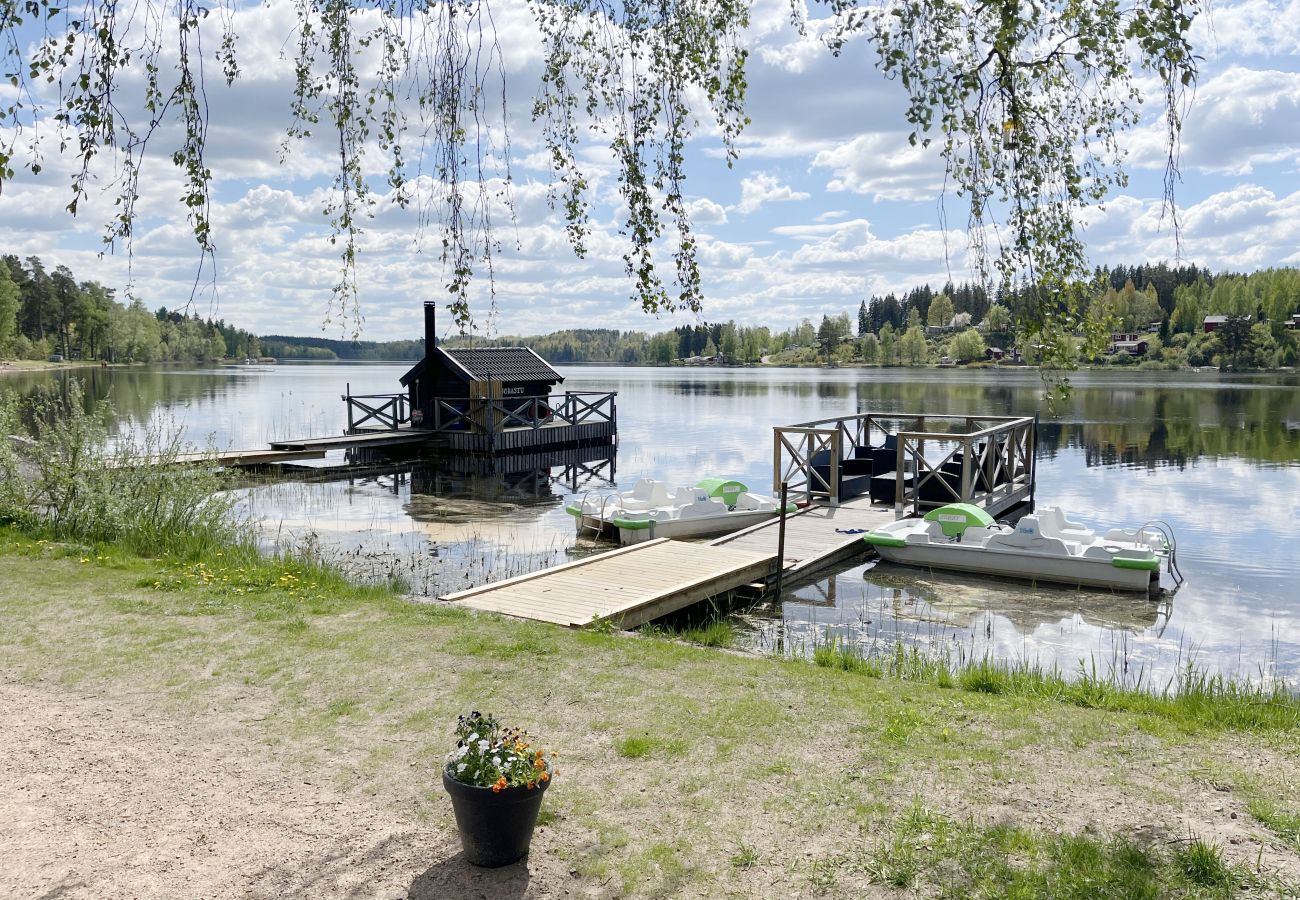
(495, 826)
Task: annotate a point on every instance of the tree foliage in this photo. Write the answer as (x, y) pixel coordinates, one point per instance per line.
(1024, 102)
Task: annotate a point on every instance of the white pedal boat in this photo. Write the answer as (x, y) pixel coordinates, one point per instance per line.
(648, 511)
(1043, 547)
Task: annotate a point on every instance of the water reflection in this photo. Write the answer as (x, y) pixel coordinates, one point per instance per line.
(438, 526)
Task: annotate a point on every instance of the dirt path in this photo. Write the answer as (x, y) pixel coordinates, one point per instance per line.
(101, 799)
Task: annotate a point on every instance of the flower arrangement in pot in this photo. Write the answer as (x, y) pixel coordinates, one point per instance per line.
(496, 778)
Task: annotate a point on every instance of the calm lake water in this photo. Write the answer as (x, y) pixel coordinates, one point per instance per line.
(1218, 457)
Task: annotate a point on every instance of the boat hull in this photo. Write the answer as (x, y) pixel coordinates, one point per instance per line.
(699, 527)
(1073, 571)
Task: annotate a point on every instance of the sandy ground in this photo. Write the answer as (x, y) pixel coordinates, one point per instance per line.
(115, 800)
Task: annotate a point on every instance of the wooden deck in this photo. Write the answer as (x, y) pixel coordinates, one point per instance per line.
(814, 537)
(361, 439)
(231, 458)
(629, 586)
(558, 434)
(634, 585)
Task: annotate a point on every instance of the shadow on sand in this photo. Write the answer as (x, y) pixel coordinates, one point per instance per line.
(454, 877)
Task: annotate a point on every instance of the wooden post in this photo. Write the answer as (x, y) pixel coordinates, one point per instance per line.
(780, 540)
(967, 488)
(1031, 458)
(776, 459)
(835, 468)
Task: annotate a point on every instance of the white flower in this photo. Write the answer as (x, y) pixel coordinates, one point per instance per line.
(460, 768)
(483, 746)
(496, 761)
(461, 751)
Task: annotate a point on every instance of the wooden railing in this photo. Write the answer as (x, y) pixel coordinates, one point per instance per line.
(494, 415)
(994, 456)
(389, 411)
(987, 460)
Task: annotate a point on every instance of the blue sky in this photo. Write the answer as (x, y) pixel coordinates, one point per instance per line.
(827, 204)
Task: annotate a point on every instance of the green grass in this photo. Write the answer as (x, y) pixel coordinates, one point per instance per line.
(713, 631)
(1193, 701)
(680, 767)
(1263, 803)
(961, 859)
(637, 746)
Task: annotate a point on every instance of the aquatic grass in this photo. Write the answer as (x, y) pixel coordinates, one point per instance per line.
(1193, 700)
(846, 658)
(714, 631)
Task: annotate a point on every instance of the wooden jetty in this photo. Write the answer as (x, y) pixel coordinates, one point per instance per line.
(354, 441)
(486, 400)
(628, 587)
(856, 473)
(634, 585)
(815, 537)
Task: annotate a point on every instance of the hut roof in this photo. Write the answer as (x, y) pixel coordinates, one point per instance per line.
(491, 364)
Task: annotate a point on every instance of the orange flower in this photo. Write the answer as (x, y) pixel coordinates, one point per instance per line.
(499, 784)
(531, 785)
(545, 776)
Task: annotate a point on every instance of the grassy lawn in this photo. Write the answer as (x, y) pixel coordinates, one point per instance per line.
(685, 770)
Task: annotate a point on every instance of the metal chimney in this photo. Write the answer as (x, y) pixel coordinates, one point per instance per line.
(430, 327)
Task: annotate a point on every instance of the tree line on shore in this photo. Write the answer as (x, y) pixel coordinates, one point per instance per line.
(1159, 307)
(45, 314)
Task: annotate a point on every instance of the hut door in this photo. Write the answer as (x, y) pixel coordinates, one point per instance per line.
(487, 412)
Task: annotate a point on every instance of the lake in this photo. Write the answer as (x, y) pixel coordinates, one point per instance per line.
(1218, 457)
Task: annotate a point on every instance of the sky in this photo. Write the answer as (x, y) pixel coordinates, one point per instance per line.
(827, 205)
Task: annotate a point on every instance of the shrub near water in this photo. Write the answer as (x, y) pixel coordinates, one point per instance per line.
(63, 477)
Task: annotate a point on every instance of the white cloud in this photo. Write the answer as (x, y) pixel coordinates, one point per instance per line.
(1242, 229)
(1253, 27)
(704, 211)
(1241, 119)
(883, 166)
(763, 188)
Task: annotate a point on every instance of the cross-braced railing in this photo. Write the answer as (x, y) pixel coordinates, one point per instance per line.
(389, 411)
(987, 460)
(485, 416)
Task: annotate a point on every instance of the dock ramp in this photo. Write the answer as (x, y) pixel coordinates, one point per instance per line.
(629, 586)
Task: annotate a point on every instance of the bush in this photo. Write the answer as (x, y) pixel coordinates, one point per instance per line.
(69, 479)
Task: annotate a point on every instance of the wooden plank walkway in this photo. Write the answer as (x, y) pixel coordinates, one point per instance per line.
(629, 586)
(232, 458)
(814, 537)
(363, 439)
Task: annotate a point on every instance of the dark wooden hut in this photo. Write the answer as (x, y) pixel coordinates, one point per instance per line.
(508, 374)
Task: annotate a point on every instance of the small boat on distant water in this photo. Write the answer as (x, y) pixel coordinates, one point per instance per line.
(1042, 547)
(649, 510)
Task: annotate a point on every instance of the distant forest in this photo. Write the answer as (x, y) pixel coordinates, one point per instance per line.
(44, 314)
(1166, 304)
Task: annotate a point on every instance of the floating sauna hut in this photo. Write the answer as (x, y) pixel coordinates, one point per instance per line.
(487, 400)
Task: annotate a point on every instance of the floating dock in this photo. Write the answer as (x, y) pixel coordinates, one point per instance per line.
(637, 584)
(628, 587)
(815, 537)
(856, 473)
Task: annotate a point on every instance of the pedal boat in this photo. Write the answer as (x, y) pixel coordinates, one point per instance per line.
(1044, 547)
(713, 506)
